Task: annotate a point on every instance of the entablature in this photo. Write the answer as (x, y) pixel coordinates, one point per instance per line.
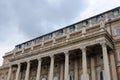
(94, 38)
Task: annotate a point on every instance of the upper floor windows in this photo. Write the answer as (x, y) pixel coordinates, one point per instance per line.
(60, 32)
(38, 40)
(71, 28)
(48, 36)
(116, 12)
(117, 31)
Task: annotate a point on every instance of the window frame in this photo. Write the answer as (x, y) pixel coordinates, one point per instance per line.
(104, 78)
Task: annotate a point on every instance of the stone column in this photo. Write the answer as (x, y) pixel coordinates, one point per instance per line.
(93, 74)
(84, 64)
(18, 72)
(113, 66)
(66, 74)
(39, 69)
(76, 70)
(106, 61)
(27, 71)
(61, 71)
(51, 73)
(9, 73)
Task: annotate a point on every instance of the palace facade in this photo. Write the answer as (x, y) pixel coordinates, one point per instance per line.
(86, 50)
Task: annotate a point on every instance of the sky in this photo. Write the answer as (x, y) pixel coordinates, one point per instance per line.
(22, 20)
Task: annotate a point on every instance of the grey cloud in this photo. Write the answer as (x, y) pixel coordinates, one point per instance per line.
(37, 17)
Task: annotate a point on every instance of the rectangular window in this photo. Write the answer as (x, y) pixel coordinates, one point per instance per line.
(116, 12)
(72, 28)
(38, 40)
(60, 32)
(119, 54)
(117, 30)
(49, 36)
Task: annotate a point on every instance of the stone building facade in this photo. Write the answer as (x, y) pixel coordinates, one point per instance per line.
(86, 50)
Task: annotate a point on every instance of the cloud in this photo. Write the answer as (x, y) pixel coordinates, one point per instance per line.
(97, 6)
(43, 16)
(21, 20)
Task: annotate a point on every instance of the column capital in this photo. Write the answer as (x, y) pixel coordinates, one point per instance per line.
(28, 61)
(10, 65)
(39, 59)
(51, 56)
(18, 64)
(103, 44)
(83, 48)
(66, 52)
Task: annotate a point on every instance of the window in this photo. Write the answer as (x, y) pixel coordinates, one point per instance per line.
(28, 44)
(119, 54)
(55, 78)
(48, 36)
(116, 12)
(18, 47)
(72, 28)
(70, 77)
(85, 23)
(2, 78)
(38, 40)
(44, 79)
(102, 75)
(117, 30)
(60, 32)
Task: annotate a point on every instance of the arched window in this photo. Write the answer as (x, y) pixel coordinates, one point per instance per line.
(44, 79)
(101, 75)
(55, 78)
(70, 77)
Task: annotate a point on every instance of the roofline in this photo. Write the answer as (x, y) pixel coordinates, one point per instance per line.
(69, 26)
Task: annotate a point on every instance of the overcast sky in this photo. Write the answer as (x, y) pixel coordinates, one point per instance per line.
(22, 20)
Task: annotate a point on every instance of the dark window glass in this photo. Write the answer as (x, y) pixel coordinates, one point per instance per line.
(101, 75)
(70, 77)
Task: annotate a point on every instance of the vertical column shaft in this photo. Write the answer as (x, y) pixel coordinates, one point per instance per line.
(27, 71)
(18, 72)
(51, 74)
(113, 66)
(84, 64)
(38, 69)
(66, 66)
(106, 61)
(93, 75)
(9, 73)
(61, 71)
(76, 70)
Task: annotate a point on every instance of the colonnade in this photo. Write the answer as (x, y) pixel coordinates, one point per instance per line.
(66, 67)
